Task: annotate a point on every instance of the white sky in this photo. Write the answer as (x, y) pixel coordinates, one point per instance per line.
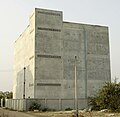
(14, 18)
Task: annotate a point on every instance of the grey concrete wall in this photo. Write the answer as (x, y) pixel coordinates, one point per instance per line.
(53, 104)
(24, 57)
(48, 62)
(73, 45)
(16, 104)
(90, 43)
(98, 58)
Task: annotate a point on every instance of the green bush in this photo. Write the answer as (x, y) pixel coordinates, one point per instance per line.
(68, 109)
(35, 106)
(45, 109)
(108, 97)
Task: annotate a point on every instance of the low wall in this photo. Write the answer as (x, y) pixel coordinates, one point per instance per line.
(57, 104)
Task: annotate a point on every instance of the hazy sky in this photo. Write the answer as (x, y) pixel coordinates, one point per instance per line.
(14, 17)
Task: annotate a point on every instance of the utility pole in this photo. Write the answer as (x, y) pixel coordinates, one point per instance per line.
(24, 84)
(76, 96)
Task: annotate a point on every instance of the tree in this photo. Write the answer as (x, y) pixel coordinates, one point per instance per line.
(7, 94)
(108, 97)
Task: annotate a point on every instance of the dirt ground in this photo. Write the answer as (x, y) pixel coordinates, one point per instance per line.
(9, 113)
(69, 114)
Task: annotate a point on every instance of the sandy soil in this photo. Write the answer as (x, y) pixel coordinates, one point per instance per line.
(8, 113)
(81, 114)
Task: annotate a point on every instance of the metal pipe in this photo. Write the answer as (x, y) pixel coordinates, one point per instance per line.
(24, 84)
(76, 96)
(85, 57)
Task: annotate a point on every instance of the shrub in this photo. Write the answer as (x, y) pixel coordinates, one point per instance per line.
(68, 109)
(35, 106)
(45, 109)
(108, 97)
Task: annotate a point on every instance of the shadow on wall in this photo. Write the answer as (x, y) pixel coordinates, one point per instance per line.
(27, 76)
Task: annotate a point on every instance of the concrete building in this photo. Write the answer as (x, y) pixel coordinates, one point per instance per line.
(44, 59)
